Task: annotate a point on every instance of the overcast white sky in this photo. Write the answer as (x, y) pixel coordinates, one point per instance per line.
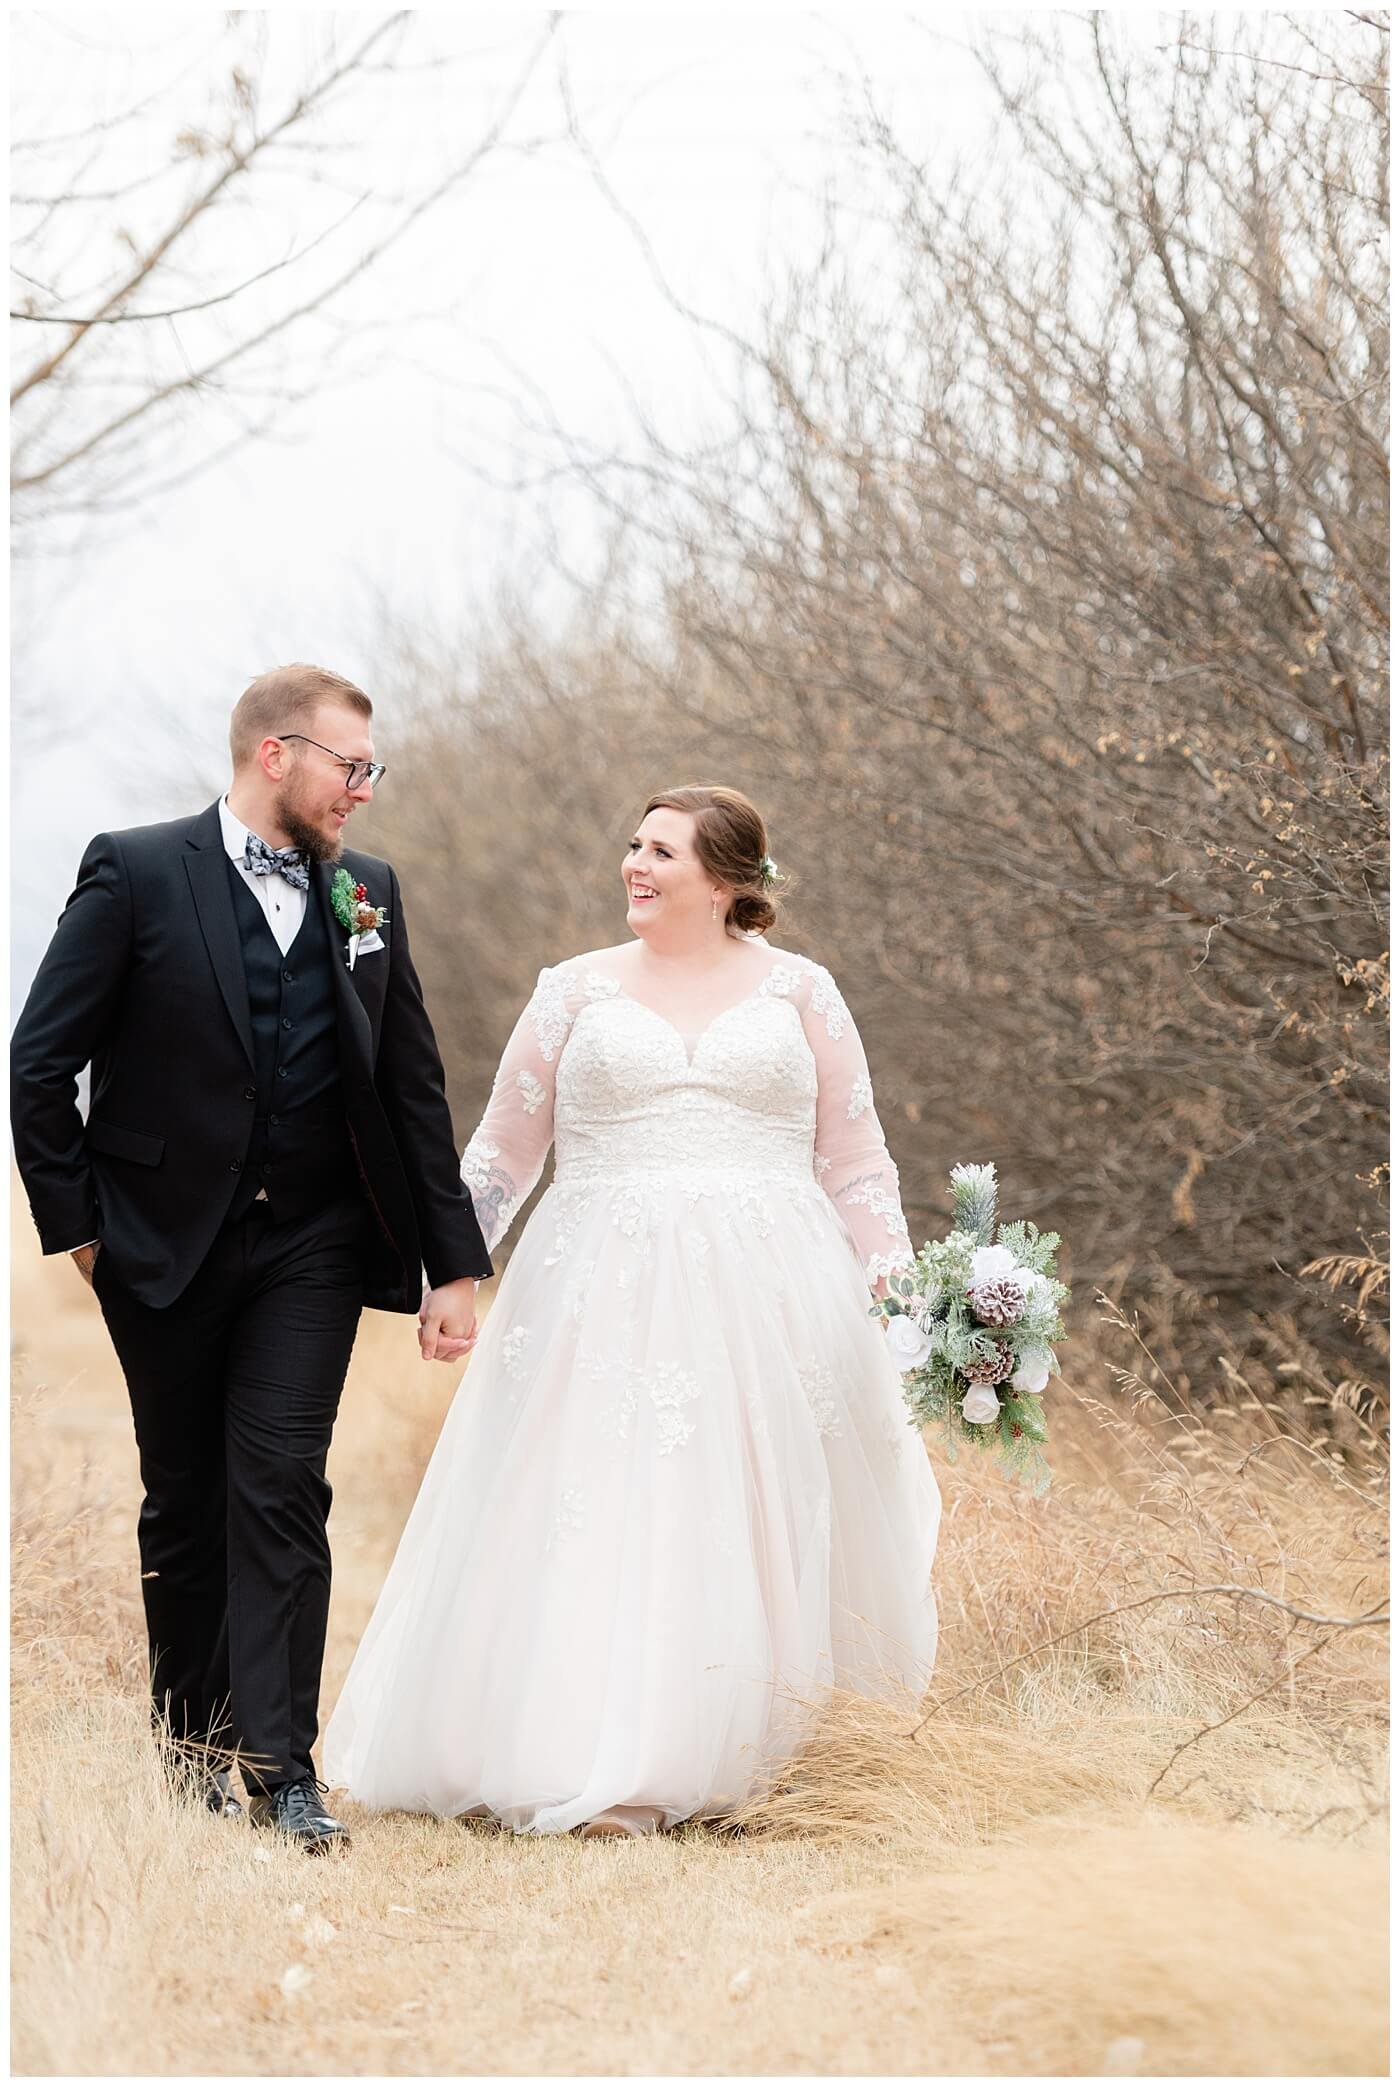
(717, 131)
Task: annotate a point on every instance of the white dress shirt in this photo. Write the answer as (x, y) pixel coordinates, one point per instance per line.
(283, 904)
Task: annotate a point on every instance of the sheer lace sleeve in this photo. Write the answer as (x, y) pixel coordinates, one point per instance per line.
(507, 1150)
(852, 1159)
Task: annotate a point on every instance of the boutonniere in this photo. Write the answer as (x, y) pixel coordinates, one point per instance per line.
(351, 906)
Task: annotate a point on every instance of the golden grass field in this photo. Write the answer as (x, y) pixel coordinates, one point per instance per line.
(1006, 1893)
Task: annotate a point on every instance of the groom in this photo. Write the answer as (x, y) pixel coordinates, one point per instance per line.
(268, 1149)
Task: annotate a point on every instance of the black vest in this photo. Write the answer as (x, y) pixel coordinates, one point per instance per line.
(299, 1151)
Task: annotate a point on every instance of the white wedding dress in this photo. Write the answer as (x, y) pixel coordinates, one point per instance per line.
(677, 1497)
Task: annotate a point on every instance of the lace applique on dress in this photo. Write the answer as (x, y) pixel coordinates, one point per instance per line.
(549, 1011)
(862, 1098)
(476, 1161)
(632, 1214)
(880, 1267)
(569, 1207)
(598, 986)
(820, 1387)
(513, 1350)
(668, 1385)
(782, 982)
(532, 1093)
(671, 1388)
(745, 1208)
(827, 1002)
(874, 1193)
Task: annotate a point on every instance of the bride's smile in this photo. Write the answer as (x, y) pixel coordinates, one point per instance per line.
(672, 904)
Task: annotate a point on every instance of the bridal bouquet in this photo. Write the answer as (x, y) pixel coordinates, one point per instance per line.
(972, 1326)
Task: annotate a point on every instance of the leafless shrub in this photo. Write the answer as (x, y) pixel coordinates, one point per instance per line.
(1044, 609)
(167, 309)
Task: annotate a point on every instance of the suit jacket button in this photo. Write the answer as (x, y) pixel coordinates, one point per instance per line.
(235, 1166)
(250, 1094)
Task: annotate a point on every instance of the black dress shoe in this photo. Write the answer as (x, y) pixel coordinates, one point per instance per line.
(217, 1796)
(207, 1787)
(296, 1809)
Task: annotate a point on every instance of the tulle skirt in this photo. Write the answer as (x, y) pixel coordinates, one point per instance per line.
(676, 1500)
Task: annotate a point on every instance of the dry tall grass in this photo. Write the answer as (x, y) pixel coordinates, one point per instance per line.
(997, 1894)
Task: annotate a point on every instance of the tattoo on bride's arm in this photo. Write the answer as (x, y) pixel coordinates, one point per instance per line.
(493, 1190)
(494, 1202)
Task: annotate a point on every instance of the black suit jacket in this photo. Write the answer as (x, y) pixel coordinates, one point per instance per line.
(143, 980)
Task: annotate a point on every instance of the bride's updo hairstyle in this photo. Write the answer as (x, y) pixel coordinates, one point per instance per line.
(731, 842)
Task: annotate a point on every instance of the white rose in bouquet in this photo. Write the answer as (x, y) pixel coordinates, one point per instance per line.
(1035, 1285)
(981, 1405)
(909, 1345)
(1032, 1372)
(991, 1262)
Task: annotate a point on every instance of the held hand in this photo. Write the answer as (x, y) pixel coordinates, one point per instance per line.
(84, 1259)
(447, 1326)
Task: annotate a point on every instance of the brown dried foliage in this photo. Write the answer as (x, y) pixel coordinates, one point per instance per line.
(1044, 613)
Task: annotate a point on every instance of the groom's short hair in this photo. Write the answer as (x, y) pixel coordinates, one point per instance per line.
(284, 700)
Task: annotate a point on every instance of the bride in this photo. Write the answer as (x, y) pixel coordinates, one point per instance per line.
(677, 1498)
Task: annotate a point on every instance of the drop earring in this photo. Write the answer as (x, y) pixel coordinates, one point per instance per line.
(714, 909)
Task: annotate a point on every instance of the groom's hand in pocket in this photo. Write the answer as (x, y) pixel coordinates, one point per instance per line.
(447, 1321)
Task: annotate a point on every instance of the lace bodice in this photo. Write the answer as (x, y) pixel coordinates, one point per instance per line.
(775, 1087)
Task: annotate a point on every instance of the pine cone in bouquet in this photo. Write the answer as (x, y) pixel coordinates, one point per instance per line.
(999, 1301)
(990, 1369)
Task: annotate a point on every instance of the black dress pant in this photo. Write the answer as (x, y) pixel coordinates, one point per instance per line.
(234, 1390)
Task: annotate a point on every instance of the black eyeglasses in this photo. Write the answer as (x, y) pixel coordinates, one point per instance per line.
(357, 773)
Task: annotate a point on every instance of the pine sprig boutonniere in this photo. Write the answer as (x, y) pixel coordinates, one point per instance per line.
(350, 904)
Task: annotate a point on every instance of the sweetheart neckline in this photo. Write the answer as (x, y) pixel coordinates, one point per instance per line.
(619, 992)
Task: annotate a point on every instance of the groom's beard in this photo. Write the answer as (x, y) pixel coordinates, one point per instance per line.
(314, 844)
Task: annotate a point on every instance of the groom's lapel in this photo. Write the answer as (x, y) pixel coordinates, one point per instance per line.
(356, 1032)
(204, 866)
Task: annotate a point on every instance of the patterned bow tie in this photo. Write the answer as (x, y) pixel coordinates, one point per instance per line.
(290, 863)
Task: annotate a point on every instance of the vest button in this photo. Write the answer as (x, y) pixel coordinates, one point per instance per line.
(274, 1120)
(288, 979)
(286, 1023)
(281, 1072)
(250, 1094)
(235, 1166)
